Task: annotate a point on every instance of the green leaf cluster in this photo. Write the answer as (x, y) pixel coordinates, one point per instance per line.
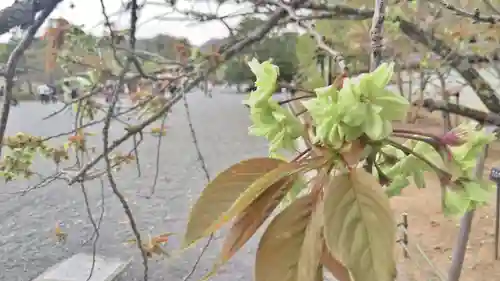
(465, 155)
(468, 192)
(463, 192)
(22, 149)
(400, 167)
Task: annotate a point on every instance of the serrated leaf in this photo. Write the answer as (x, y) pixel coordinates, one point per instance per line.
(280, 247)
(359, 226)
(253, 217)
(312, 247)
(260, 185)
(219, 195)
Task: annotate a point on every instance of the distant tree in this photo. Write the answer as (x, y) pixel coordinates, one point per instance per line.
(237, 72)
(279, 48)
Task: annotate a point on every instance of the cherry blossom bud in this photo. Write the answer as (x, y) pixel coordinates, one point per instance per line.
(455, 137)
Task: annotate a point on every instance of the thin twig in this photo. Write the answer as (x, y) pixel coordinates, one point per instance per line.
(204, 167)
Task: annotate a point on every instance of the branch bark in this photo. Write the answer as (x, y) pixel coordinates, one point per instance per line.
(22, 13)
(376, 34)
(459, 62)
(478, 115)
(12, 63)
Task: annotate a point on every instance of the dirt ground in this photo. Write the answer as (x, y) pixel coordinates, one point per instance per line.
(432, 235)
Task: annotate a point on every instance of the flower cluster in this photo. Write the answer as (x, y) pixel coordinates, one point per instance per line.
(269, 119)
(365, 107)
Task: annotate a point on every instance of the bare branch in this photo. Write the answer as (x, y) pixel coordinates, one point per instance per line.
(475, 16)
(22, 13)
(478, 115)
(376, 34)
(14, 58)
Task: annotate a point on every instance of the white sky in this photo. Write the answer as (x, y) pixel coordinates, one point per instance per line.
(89, 13)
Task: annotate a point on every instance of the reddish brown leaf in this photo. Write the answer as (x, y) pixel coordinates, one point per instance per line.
(336, 268)
(261, 185)
(254, 216)
(280, 248)
(222, 192)
(312, 246)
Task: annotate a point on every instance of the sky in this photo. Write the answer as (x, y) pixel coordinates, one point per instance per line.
(150, 24)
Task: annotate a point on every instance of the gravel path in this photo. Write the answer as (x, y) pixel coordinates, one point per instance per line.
(27, 244)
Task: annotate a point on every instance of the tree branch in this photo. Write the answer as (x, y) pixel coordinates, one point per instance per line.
(230, 52)
(22, 13)
(376, 34)
(475, 16)
(12, 63)
(459, 62)
(478, 115)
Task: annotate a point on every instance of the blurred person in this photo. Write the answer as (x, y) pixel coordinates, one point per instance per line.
(43, 92)
(70, 92)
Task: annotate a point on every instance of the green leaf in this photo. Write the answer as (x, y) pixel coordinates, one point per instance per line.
(476, 192)
(397, 184)
(359, 226)
(280, 247)
(456, 202)
(219, 195)
(418, 178)
(430, 153)
(392, 151)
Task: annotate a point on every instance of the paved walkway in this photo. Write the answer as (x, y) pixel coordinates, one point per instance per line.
(27, 244)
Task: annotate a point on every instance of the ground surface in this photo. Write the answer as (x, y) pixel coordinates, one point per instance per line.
(28, 245)
(27, 242)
